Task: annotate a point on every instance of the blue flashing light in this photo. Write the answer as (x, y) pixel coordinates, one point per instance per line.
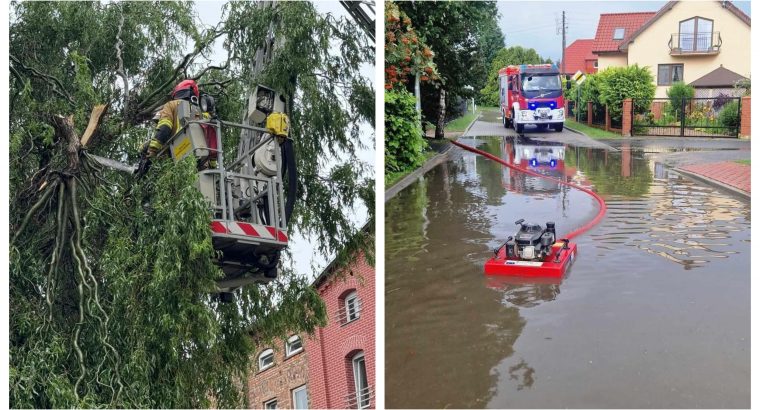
(534, 162)
(553, 163)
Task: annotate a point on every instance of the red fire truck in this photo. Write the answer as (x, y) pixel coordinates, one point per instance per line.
(531, 94)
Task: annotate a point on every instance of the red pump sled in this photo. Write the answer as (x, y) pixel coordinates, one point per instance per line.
(533, 252)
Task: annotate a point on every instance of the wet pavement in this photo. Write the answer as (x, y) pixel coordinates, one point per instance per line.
(654, 312)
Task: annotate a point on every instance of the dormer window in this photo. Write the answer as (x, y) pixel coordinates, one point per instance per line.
(618, 34)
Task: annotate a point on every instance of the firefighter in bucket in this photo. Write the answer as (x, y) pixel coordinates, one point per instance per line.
(169, 124)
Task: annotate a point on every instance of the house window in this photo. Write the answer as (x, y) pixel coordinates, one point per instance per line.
(668, 74)
(352, 306)
(619, 33)
(271, 404)
(300, 398)
(360, 381)
(596, 63)
(695, 34)
(266, 359)
(293, 345)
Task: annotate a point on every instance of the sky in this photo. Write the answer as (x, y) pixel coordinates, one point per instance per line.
(533, 24)
(304, 259)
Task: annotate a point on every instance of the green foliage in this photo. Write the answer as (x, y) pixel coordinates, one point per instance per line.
(586, 92)
(745, 86)
(678, 92)
(618, 83)
(161, 340)
(406, 55)
(489, 95)
(463, 35)
(403, 137)
(729, 115)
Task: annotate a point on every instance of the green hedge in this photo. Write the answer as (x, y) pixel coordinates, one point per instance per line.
(404, 142)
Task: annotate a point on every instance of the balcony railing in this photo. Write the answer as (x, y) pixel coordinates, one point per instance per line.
(695, 43)
(363, 401)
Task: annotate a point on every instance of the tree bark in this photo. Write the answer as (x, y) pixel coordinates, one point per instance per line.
(439, 126)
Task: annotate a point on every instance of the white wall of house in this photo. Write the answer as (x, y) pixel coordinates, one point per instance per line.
(650, 48)
(612, 60)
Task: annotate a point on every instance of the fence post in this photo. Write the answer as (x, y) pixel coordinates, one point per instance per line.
(607, 121)
(683, 114)
(745, 117)
(627, 117)
(590, 111)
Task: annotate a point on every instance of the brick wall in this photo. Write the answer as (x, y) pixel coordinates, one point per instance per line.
(331, 382)
(744, 127)
(627, 117)
(278, 381)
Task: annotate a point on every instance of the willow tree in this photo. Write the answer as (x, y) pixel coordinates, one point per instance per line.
(111, 277)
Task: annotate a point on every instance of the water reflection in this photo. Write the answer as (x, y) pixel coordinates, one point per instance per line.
(455, 338)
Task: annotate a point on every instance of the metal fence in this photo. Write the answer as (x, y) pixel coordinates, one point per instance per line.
(689, 117)
(598, 115)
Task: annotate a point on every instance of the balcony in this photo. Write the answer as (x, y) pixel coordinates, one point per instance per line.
(695, 44)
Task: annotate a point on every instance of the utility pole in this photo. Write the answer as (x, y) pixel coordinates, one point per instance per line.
(564, 31)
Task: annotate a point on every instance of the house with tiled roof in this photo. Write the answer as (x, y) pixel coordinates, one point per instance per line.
(683, 41)
(578, 57)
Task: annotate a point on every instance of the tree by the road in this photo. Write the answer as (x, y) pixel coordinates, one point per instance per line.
(110, 276)
(458, 32)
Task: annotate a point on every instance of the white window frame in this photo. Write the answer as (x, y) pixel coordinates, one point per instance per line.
(352, 298)
(622, 33)
(289, 351)
(269, 402)
(267, 352)
(293, 396)
(354, 361)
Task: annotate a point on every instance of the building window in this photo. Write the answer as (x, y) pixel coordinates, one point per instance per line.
(266, 359)
(352, 306)
(619, 33)
(695, 34)
(300, 398)
(668, 74)
(361, 385)
(271, 404)
(293, 345)
(596, 63)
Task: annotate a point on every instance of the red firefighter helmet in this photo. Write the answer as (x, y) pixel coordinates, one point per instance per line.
(184, 85)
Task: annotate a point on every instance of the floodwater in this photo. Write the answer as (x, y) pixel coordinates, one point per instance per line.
(655, 311)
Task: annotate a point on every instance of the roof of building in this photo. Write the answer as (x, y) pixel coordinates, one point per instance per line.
(668, 6)
(608, 22)
(720, 77)
(576, 55)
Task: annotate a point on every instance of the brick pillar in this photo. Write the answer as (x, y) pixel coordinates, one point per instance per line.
(657, 109)
(567, 106)
(590, 112)
(744, 122)
(627, 117)
(607, 121)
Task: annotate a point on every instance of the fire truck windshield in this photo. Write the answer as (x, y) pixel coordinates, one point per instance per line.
(535, 84)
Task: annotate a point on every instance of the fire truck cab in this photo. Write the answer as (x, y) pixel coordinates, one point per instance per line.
(531, 95)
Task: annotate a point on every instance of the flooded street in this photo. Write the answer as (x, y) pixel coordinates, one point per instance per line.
(655, 311)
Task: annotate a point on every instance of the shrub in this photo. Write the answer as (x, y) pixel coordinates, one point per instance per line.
(403, 137)
(729, 115)
(677, 92)
(615, 84)
(720, 101)
(744, 85)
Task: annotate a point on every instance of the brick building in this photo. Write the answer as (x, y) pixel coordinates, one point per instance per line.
(336, 367)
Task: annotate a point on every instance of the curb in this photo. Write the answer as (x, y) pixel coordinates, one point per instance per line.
(466, 130)
(715, 184)
(417, 173)
(601, 141)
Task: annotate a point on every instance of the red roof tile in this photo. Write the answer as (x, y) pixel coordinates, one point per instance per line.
(631, 22)
(576, 55)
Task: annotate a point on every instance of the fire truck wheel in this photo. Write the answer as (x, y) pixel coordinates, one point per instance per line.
(504, 120)
(519, 128)
(558, 127)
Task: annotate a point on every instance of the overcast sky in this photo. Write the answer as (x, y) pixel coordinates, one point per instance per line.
(210, 13)
(533, 24)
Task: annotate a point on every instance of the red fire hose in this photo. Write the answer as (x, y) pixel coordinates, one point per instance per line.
(582, 229)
